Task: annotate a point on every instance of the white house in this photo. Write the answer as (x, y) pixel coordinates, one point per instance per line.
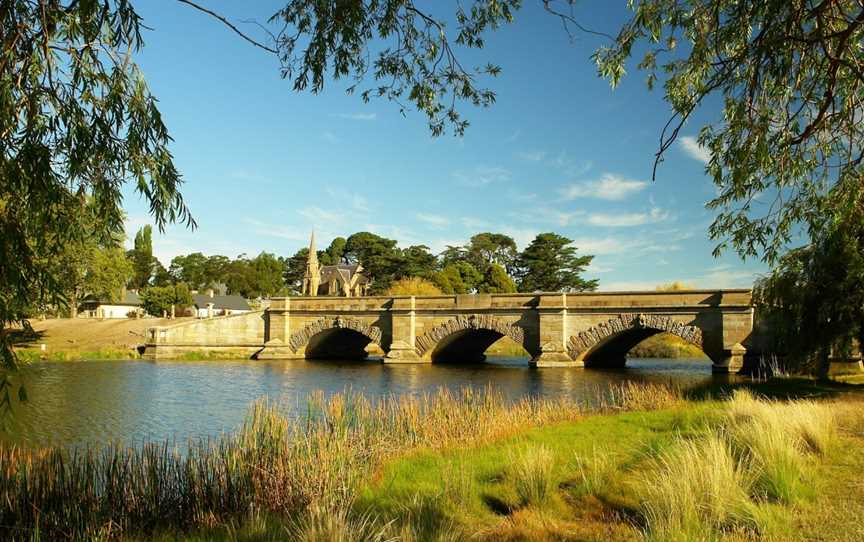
(129, 306)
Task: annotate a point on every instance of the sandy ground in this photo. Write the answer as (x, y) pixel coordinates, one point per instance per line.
(90, 334)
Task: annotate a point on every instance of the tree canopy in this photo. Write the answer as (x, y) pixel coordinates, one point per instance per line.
(550, 264)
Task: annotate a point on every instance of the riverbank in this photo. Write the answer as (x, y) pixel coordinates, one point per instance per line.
(443, 467)
(72, 339)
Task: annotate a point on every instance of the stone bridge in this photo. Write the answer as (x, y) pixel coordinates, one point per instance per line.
(556, 330)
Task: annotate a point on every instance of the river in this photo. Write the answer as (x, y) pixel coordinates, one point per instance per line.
(91, 403)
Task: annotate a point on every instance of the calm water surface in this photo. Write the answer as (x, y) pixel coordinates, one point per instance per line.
(95, 402)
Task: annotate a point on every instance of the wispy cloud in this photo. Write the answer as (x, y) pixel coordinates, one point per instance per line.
(482, 176)
(319, 215)
(329, 137)
(435, 221)
(609, 187)
(625, 220)
(474, 223)
(349, 199)
(531, 156)
(514, 136)
(274, 230)
(694, 150)
(358, 116)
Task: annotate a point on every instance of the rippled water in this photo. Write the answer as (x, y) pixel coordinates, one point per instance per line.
(96, 402)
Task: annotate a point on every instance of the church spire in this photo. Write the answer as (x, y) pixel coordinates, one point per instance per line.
(312, 277)
(313, 253)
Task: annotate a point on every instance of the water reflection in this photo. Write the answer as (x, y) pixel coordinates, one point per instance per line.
(92, 403)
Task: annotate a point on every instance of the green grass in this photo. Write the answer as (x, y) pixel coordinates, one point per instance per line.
(26, 355)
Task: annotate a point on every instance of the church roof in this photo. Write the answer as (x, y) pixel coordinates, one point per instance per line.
(345, 271)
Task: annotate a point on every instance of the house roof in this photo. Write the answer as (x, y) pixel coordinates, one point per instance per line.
(230, 302)
(130, 299)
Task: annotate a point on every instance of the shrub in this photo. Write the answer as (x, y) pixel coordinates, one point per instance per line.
(413, 286)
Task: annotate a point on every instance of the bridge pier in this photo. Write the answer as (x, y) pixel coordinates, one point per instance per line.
(277, 330)
(553, 333)
(403, 328)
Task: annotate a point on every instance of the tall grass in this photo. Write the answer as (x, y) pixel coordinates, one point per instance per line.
(533, 473)
(758, 450)
(696, 488)
(273, 465)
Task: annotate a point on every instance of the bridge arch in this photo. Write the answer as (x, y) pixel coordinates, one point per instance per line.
(466, 337)
(338, 337)
(607, 343)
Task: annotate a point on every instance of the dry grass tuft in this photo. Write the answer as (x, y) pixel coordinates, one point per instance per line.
(533, 474)
(695, 488)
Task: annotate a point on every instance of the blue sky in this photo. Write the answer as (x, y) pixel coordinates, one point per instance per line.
(559, 151)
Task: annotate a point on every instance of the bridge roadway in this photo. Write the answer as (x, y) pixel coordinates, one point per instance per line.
(557, 330)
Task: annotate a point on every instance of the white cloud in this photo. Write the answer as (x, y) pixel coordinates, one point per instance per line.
(330, 137)
(626, 220)
(531, 156)
(727, 278)
(608, 187)
(482, 176)
(358, 116)
(694, 150)
(435, 221)
(606, 245)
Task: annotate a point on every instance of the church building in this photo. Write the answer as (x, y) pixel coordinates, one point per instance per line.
(341, 280)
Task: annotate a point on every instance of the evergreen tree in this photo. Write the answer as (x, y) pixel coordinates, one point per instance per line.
(142, 258)
(550, 264)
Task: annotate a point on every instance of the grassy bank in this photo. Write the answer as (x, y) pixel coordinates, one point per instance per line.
(645, 464)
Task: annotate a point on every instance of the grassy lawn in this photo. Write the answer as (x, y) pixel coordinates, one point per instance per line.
(587, 482)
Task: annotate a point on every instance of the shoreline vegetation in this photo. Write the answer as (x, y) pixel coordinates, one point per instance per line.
(640, 462)
(67, 339)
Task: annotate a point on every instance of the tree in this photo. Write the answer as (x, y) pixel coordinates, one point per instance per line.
(295, 269)
(786, 153)
(417, 261)
(334, 253)
(814, 300)
(550, 264)
(107, 273)
(77, 122)
(142, 258)
(457, 278)
(486, 249)
(158, 300)
(378, 255)
(412, 286)
(191, 269)
(497, 281)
